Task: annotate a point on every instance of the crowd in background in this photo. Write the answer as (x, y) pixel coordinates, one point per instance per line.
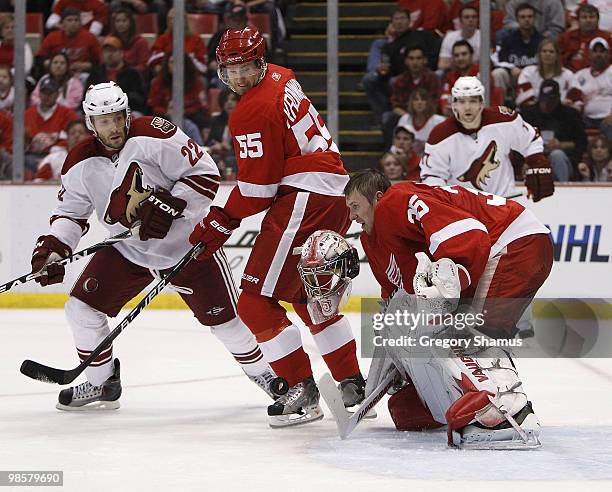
(85, 42)
(550, 61)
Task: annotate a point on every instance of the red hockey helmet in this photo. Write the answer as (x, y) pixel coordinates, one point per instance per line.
(238, 48)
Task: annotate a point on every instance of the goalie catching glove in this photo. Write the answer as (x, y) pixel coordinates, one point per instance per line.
(156, 214)
(213, 230)
(48, 250)
(538, 177)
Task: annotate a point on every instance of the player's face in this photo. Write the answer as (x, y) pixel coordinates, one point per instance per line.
(110, 129)
(242, 78)
(468, 111)
(361, 210)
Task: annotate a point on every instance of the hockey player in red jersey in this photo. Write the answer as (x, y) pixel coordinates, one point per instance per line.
(145, 171)
(288, 165)
(450, 242)
(476, 147)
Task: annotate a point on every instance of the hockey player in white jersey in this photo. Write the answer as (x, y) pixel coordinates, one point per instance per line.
(474, 147)
(145, 171)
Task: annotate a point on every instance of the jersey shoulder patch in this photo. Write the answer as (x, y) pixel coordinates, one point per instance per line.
(83, 150)
(498, 114)
(152, 126)
(443, 130)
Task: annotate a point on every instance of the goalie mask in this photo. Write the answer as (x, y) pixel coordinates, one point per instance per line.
(327, 265)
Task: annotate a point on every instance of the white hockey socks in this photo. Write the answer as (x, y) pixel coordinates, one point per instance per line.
(241, 343)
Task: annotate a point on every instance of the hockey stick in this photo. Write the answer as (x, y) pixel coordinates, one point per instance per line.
(48, 374)
(68, 260)
(345, 421)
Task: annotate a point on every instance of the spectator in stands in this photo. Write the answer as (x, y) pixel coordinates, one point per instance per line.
(463, 65)
(115, 69)
(421, 117)
(574, 44)
(7, 91)
(71, 87)
(429, 15)
(7, 38)
(605, 12)
(234, 19)
(195, 107)
(561, 128)
(262, 7)
(93, 14)
(137, 7)
(135, 48)
(45, 125)
(81, 46)
(591, 88)
(468, 31)
(193, 46)
(393, 166)
(549, 67)
(403, 141)
(6, 146)
(550, 22)
(219, 139)
(596, 164)
(376, 82)
(50, 168)
(416, 75)
(518, 49)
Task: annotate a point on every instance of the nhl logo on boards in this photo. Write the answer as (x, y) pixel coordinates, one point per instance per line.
(162, 125)
(276, 76)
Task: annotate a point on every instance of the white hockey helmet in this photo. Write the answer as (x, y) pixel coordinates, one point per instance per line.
(105, 98)
(466, 87)
(327, 265)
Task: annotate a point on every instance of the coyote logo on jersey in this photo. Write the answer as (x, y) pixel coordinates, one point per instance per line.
(480, 169)
(162, 125)
(126, 199)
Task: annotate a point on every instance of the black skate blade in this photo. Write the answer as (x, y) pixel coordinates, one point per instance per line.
(44, 373)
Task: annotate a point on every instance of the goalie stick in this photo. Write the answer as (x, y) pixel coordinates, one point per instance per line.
(47, 374)
(345, 421)
(69, 259)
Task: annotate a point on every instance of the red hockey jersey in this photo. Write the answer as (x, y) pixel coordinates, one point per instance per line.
(280, 141)
(463, 224)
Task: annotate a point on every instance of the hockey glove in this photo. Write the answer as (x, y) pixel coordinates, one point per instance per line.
(437, 281)
(157, 212)
(49, 249)
(213, 230)
(538, 177)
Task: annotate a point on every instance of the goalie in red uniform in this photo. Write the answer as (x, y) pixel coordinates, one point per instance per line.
(442, 244)
(288, 165)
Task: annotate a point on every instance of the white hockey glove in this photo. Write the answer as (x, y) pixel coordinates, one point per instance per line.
(437, 280)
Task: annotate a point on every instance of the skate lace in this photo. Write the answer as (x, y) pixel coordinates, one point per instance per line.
(292, 395)
(84, 389)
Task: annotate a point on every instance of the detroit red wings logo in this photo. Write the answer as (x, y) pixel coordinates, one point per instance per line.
(126, 199)
(480, 170)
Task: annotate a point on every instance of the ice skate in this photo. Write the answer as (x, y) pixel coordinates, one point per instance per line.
(353, 393)
(503, 436)
(86, 396)
(298, 406)
(263, 381)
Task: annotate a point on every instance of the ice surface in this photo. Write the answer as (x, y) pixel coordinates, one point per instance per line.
(191, 421)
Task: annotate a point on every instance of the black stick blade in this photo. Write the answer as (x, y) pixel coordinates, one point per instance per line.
(44, 373)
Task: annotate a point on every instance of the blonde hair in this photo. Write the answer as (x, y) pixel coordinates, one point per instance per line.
(558, 67)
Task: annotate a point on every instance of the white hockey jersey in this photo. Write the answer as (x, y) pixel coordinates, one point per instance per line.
(156, 155)
(479, 158)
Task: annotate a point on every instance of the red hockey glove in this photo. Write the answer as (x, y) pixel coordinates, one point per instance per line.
(213, 230)
(156, 214)
(538, 177)
(49, 249)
